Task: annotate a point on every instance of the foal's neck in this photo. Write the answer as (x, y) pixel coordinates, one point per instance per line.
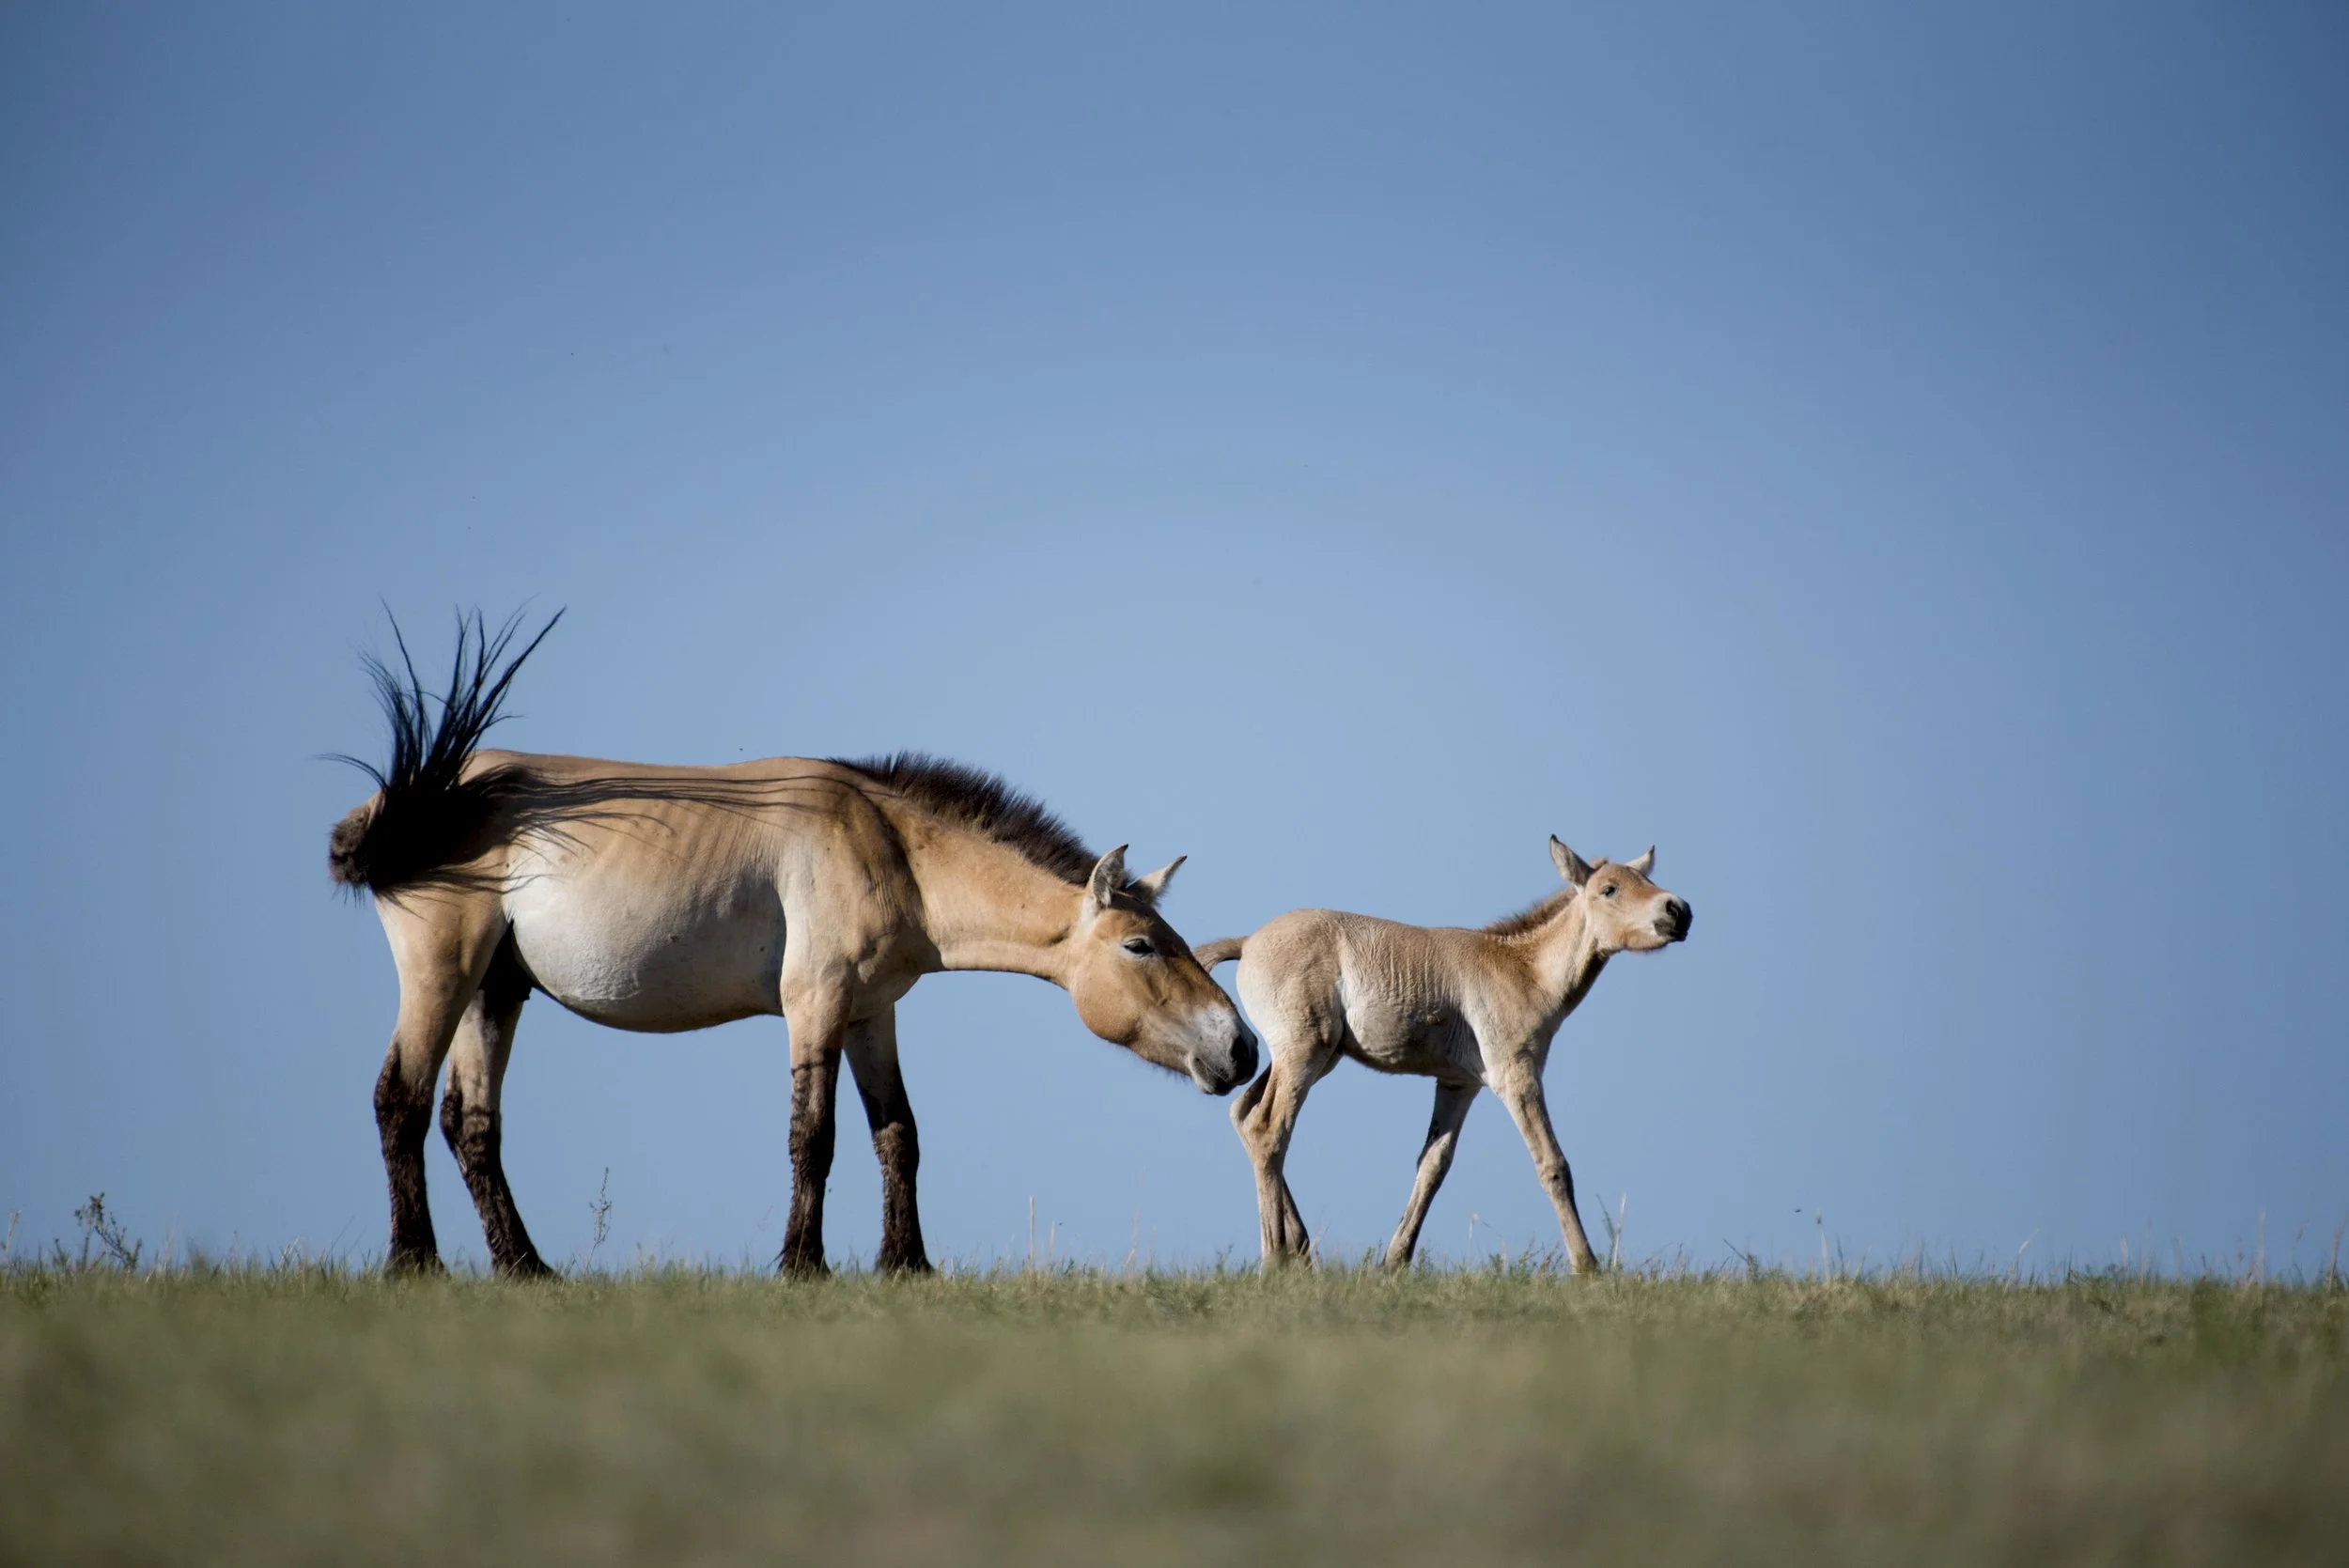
(985, 906)
(1565, 961)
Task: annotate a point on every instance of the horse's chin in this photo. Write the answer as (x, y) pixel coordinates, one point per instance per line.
(1210, 1086)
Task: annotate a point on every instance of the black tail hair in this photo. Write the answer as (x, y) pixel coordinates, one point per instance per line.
(425, 814)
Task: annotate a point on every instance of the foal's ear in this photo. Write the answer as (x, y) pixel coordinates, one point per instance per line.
(1570, 865)
(1152, 888)
(1645, 864)
(1109, 874)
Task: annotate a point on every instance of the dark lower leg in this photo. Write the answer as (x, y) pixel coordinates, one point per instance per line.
(476, 1136)
(901, 1246)
(814, 1090)
(403, 1118)
(899, 1148)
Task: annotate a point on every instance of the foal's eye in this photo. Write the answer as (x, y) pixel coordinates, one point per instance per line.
(1607, 892)
(1139, 946)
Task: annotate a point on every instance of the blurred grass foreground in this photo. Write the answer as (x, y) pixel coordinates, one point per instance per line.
(309, 1414)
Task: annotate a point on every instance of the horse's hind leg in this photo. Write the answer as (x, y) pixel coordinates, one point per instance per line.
(1266, 1117)
(1443, 1136)
(872, 1052)
(469, 1117)
(442, 943)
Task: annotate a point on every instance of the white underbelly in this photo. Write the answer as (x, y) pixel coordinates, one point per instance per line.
(650, 958)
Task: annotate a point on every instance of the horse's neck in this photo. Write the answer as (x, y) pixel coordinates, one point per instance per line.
(987, 907)
(1563, 962)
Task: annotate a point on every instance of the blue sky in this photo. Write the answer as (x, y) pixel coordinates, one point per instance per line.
(1896, 463)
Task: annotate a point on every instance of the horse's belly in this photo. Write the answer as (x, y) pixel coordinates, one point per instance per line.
(652, 964)
(1435, 1042)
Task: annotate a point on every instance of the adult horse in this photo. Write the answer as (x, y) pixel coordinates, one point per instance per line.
(672, 898)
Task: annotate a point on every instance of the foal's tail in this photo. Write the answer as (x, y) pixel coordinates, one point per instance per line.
(1217, 952)
(425, 813)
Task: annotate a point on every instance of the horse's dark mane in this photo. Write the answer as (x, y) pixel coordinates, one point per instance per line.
(976, 799)
(1533, 916)
(428, 814)
(425, 813)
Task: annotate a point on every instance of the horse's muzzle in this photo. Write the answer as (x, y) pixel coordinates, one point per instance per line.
(1221, 1078)
(1674, 926)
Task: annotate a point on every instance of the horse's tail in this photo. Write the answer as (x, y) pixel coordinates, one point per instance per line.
(426, 814)
(1217, 952)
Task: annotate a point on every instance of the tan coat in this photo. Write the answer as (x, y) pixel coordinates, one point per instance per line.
(1469, 1009)
(659, 899)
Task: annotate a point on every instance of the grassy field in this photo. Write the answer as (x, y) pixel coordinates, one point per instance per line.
(306, 1415)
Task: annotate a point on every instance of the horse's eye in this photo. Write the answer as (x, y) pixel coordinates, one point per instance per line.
(1607, 892)
(1139, 946)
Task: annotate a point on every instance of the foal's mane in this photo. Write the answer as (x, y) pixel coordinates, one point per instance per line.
(1533, 916)
(974, 799)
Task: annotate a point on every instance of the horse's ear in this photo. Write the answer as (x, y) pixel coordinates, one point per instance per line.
(1645, 864)
(1109, 876)
(1570, 865)
(1152, 888)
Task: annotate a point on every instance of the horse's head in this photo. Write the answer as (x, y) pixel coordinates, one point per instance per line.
(1621, 909)
(1136, 985)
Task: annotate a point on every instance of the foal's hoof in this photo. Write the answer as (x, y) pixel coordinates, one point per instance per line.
(414, 1265)
(532, 1267)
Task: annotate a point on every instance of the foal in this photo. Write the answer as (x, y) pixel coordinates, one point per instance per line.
(1466, 1008)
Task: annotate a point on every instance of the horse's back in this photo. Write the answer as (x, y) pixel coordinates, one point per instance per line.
(663, 898)
(1395, 997)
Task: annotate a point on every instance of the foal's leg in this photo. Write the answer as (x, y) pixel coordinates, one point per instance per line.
(1265, 1116)
(1443, 1136)
(818, 1032)
(470, 1119)
(442, 943)
(1521, 1092)
(872, 1052)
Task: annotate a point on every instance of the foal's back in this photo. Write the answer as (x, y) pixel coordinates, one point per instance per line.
(1401, 998)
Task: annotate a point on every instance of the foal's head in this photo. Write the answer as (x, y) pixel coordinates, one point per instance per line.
(1136, 985)
(1623, 910)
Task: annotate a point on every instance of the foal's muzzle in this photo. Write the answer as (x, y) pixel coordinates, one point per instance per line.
(1672, 926)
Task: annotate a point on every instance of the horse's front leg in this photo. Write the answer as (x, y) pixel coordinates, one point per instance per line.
(1435, 1158)
(1520, 1090)
(872, 1051)
(819, 1029)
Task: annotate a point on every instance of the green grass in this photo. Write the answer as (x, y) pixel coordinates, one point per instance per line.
(306, 1415)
